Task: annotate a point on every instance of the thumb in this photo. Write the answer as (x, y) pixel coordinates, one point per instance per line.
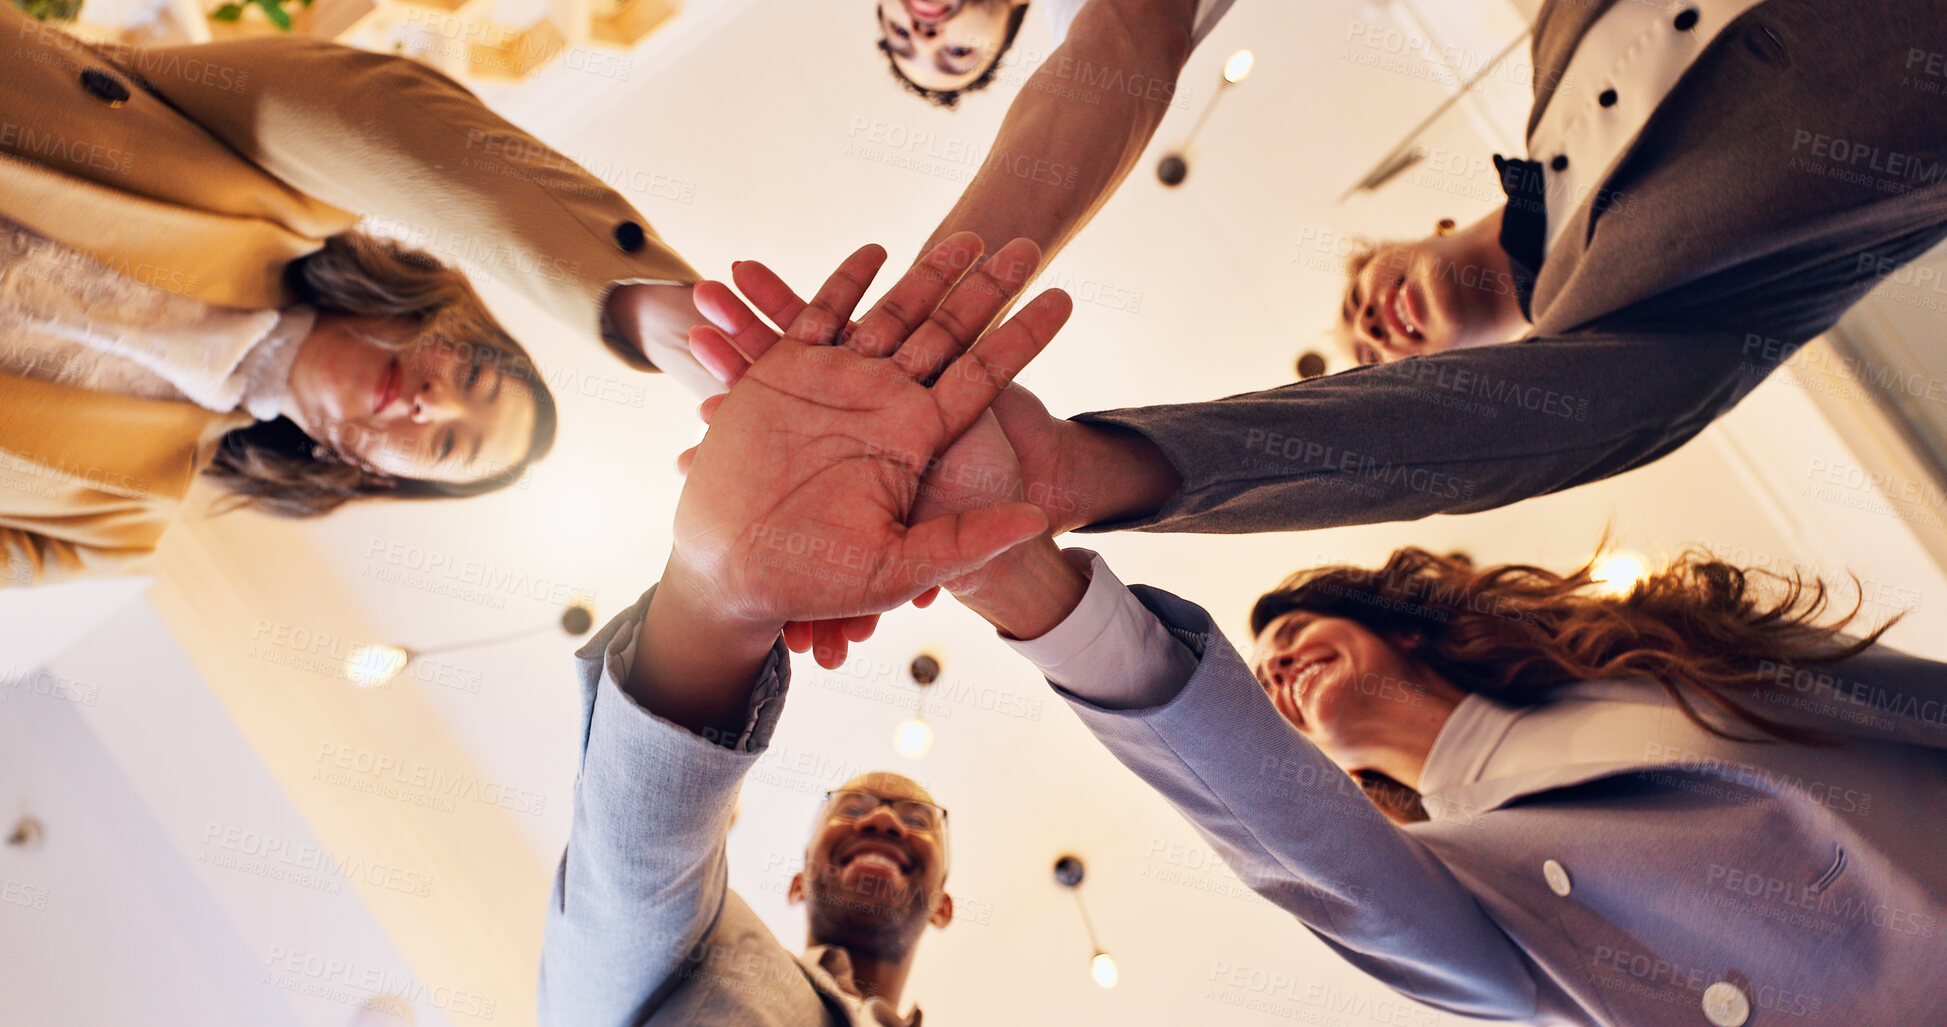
(952, 545)
(1020, 413)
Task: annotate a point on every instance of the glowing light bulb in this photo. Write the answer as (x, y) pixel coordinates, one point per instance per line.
(913, 738)
(1102, 968)
(1238, 66)
(1617, 573)
(371, 666)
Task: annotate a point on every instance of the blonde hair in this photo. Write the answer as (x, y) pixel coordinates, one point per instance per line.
(277, 468)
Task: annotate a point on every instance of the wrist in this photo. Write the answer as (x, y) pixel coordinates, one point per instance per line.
(1125, 475)
(695, 663)
(1025, 592)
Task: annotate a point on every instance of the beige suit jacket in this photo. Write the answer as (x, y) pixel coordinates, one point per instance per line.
(206, 170)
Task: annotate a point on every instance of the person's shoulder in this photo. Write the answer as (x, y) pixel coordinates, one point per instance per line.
(740, 973)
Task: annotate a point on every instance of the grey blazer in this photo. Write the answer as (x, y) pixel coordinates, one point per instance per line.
(642, 927)
(1460, 913)
(1729, 236)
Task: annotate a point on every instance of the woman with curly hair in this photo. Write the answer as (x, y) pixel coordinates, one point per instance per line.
(1509, 795)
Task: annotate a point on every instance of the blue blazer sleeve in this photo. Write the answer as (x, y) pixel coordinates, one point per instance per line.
(644, 877)
(1452, 433)
(1297, 830)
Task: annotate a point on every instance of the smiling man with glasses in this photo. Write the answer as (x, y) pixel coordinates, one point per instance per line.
(819, 449)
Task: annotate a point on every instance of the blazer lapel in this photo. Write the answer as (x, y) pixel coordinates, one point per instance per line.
(1559, 28)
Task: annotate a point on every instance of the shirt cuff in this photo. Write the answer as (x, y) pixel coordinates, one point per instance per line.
(1110, 650)
(618, 655)
(676, 362)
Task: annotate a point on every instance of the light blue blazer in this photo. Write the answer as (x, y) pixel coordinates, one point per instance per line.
(1629, 930)
(642, 927)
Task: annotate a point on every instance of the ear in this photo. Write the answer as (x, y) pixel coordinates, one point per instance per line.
(942, 913)
(794, 893)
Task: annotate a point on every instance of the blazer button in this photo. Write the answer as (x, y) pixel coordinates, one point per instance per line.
(1607, 99)
(1725, 1005)
(629, 236)
(104, 87)
(1560, 162)
(1556, 876)
(1687, 20)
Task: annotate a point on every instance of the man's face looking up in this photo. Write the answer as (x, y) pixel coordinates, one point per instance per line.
(875, 871)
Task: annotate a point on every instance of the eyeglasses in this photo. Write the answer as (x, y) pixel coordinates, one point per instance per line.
(849, 806)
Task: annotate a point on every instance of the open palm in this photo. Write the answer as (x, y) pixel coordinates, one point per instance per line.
(804, 499)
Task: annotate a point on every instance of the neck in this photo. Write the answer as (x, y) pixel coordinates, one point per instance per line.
(1483, 242)
(875, 976)
(1410, 737)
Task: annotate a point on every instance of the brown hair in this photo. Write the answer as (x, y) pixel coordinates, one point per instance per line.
(277, 468)
(1514, 632)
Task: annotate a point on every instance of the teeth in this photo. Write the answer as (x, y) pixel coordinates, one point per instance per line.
(878, 860)
(1307, 676)
(1399, 311)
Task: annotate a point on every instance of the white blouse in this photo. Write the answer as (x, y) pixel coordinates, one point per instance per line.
(69, 319)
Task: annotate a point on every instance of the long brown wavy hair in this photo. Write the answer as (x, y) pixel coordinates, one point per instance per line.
(275, 467)
(1514, 633)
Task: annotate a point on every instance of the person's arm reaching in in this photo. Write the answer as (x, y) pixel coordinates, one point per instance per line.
(1456, 432)
(1155, 681)
(446, 173)
(796, 507)
(1077, 127)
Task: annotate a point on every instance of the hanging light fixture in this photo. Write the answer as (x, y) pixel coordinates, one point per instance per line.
(913, 738)
(376, 665)
(1175, 166)
(1069, 872)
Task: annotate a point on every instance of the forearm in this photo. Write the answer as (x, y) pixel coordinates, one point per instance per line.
(1025, 591)
(695, 665)
(1114, 475)
(439, 168)
(1297, 830)
(1077, 127)
(1454, 433)
(643, 877)
(1065, 611)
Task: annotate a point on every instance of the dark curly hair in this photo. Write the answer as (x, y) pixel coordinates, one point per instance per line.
(1699, 628)
(949, 98)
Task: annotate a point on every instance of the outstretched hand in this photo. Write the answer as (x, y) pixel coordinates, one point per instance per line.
(803, 500)
(979, 469)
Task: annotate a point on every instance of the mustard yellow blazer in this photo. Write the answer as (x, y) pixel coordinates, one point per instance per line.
(205, 170)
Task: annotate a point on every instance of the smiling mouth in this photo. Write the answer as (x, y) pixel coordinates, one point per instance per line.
(1398, 313)
(1304, 680)
(388, 387)
(880, 858)
(928, 12)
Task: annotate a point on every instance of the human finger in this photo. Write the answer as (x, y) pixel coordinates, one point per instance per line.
(972, 305)
(912, 299)
(824, 319)
(970, 383)
(718, 354)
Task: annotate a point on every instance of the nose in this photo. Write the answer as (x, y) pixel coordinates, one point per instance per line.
(882, 821)
(433, 405)
(1280, 669)
(926, 29)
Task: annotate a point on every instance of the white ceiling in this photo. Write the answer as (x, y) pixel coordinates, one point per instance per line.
(765, 121)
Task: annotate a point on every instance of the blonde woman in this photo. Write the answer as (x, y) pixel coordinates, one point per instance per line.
(184, 287)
